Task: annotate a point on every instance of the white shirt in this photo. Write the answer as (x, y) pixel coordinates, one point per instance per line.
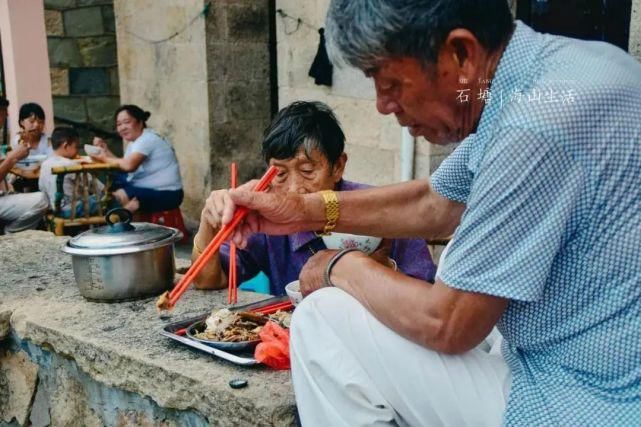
(43, 145)
(159, 170)
(47, 180)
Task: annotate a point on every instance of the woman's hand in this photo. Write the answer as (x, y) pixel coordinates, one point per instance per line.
(100, 158)
(18, 153)
(99, 142)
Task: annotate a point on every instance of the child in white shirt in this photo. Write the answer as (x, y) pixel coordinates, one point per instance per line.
(65, 142)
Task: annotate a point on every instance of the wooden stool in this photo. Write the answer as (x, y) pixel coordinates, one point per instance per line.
(172, 218)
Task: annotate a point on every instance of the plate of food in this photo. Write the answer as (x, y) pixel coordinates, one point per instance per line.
(234, 330)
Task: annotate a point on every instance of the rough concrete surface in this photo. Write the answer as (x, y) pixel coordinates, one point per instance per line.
(118, 345)
(18, 377)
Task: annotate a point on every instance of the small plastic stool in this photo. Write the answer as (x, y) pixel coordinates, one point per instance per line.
(258, 284)
(172, 218)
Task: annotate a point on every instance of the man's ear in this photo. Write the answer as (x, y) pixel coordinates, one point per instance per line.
(339, 167)
(462, 52)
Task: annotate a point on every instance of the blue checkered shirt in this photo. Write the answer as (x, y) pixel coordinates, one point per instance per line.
(552, 186)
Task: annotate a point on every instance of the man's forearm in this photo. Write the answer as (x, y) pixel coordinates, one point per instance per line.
(410, 209)
(434, 316)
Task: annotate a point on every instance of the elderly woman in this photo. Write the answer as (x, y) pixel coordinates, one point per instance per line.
(153, 182)
(306, 143)
(31, 119)
(545, 205)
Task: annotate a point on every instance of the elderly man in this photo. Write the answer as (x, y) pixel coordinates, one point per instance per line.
(305, 141)
(546, 203)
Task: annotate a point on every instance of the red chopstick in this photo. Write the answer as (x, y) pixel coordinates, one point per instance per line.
(232, 292)
(269, 309)
(213, 246)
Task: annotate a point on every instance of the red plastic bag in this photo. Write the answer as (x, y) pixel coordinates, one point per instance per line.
(273, 351)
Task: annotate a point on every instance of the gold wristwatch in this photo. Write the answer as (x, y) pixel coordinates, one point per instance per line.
(331, 210)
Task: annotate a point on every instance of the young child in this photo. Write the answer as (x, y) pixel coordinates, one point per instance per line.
(64, 142)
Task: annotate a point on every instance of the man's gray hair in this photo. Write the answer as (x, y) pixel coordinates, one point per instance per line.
(363, 32)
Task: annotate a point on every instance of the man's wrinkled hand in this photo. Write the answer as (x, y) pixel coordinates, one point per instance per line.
(312, 276)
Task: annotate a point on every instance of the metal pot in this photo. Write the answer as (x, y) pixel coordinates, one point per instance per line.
(123, 261)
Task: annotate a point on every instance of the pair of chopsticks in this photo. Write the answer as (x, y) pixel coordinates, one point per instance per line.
(232, 285)
(168, 300)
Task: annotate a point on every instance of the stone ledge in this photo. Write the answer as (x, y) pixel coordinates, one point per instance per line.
(119, 344)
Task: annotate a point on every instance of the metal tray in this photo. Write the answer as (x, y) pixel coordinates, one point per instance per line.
(243, 358)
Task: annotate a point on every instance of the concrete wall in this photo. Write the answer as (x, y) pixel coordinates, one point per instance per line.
(81, 38)
(169, 79)
(208, 88)
(373, 140)
(635, 30)
(238, 69)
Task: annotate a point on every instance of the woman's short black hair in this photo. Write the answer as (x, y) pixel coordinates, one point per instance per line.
(310, 124)
(134, 111)
(63, 134)
(30, 109)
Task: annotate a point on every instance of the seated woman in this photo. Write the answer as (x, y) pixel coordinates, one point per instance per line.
(153, 181)
(306, 143)
(31, 119)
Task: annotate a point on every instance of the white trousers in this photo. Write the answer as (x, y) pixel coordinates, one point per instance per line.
(348, 369)
(23, 211)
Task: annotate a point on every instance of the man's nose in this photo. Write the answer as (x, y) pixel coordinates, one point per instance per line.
(386, 105)
(296, 185)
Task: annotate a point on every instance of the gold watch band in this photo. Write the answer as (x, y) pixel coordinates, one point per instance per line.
(332, 210)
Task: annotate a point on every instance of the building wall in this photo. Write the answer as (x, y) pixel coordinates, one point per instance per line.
(373, 140)
(25, 60)
(238, 70)
(81, 39)
(169, 79)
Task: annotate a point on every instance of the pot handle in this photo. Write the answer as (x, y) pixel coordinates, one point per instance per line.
(124, 217)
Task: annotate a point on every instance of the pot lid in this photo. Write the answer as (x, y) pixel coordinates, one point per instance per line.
(121, 234)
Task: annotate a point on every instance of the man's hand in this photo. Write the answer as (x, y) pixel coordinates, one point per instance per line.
(270, 213)
(216, 205)
(312, 275)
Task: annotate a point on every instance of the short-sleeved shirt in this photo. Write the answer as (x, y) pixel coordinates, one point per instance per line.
(47, 182)
(552, 186)
(159, 170)
(44, 146)
(282, 258)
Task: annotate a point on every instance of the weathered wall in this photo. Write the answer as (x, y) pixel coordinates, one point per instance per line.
(40, 388)
(373, 140)
(238, 69)
(208, 88)
(169, 79)
(81, 38)
(635, 30)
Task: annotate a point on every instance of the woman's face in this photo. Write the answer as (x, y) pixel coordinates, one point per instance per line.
(33, 127)
(307, 174)
(128, 127)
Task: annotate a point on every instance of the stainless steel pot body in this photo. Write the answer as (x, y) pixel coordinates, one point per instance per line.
(123, 260)
(125, 276)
